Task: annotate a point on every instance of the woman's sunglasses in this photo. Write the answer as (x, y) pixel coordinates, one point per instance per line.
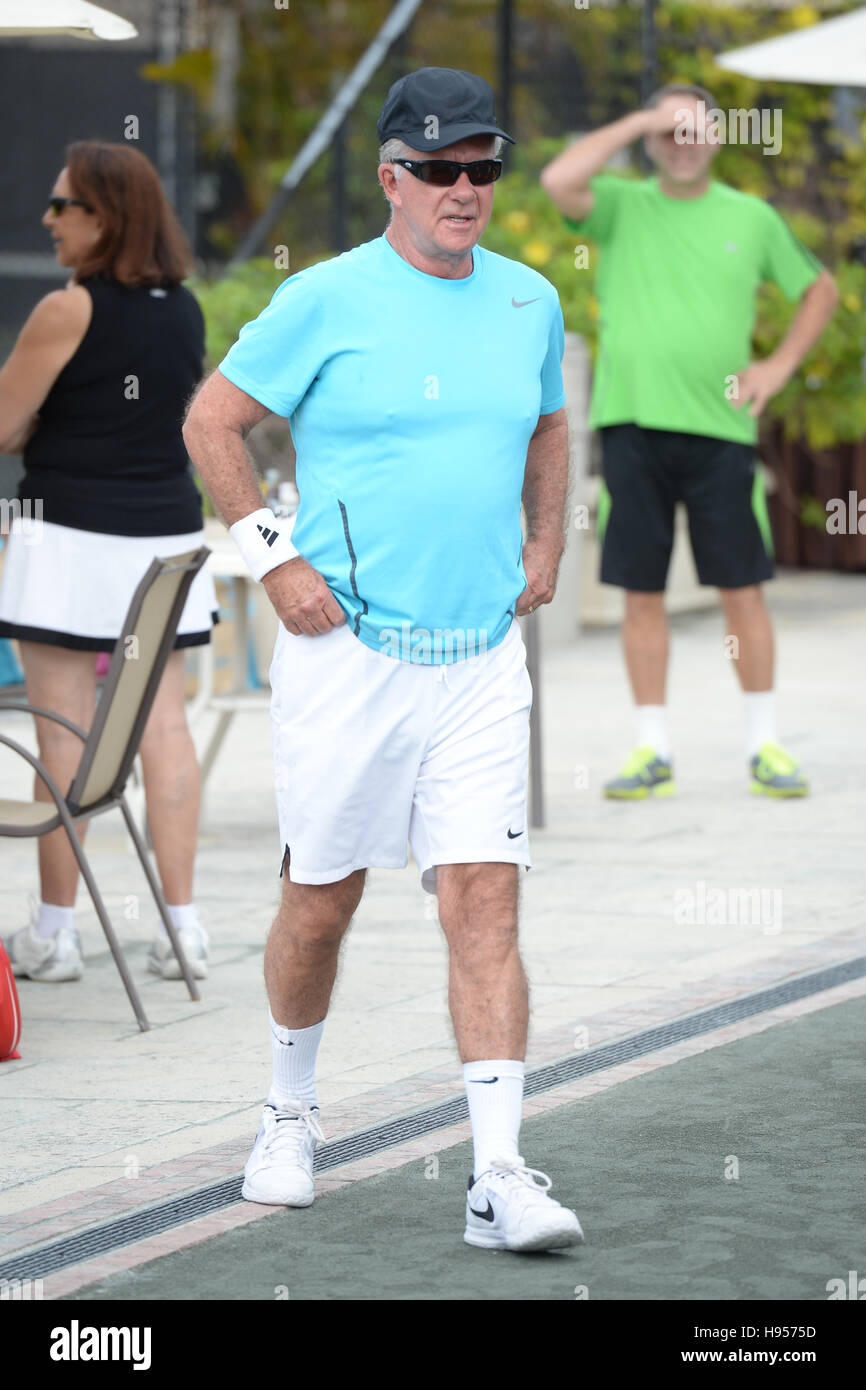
(57, 204)
(444, 173)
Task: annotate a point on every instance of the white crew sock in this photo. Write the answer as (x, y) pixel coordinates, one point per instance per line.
(294, 1054)
(652, 729)
(760, 706)
(495, 1094)
(51, 920)
(182, 916)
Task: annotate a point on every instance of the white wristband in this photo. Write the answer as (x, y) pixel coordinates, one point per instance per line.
(261, 542)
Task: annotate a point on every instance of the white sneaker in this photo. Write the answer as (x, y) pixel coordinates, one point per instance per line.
(279, 1171)
(194, 943)
(51, 959)
(507, 1209)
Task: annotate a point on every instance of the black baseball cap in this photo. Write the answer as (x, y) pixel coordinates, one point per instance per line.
(435, 107)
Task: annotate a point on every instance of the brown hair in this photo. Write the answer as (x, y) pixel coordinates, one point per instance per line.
(142, 242)
(681, 89)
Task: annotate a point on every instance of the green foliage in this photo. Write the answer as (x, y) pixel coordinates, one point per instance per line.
(230, 302)
(574, 68)
(818, 183)
(824, 403)
(528, 227)
(813, 513)
(232, 299)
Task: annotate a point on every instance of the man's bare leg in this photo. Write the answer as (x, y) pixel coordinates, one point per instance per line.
(487, 989)
(645, 643)
(489, 999)
(747, 619)
(748, 622)
(300, 968)
(304, 945)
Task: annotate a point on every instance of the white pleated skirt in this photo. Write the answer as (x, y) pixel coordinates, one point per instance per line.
(72, 588)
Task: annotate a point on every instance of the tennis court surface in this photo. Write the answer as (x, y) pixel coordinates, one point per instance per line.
(738, 1173)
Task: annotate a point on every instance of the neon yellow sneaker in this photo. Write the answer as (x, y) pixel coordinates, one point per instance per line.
(775, 773)
(645, 774)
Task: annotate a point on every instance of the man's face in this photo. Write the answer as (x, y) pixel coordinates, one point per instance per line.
(442, 221)
(677, 152)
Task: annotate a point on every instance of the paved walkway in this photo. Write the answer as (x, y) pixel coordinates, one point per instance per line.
(99, 1118)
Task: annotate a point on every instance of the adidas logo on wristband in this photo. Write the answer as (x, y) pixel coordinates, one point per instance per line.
(250, 531)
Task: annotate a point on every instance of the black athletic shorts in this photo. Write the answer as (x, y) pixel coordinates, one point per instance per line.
(646, 472)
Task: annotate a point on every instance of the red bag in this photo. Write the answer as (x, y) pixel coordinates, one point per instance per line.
(10, 1011)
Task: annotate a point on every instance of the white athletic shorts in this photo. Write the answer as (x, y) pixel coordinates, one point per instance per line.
(372, 754)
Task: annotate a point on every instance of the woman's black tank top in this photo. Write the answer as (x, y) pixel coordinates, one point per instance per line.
(108, 454)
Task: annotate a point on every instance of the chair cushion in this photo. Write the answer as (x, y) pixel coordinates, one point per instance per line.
(32, 816)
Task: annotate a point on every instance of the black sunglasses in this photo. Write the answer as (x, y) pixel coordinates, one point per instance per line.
(57, 204)
(444, 173)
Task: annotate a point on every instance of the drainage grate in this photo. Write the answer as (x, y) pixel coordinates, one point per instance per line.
(151, 1221)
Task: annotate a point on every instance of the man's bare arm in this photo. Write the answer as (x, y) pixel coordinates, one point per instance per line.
(218, 421)
(567, 177)
(545, 495)
(760, 381)
(813, 314)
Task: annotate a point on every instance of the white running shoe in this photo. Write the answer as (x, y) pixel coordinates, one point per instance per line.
(51, 959)
(508, 1209)
(194, 942)
(279, 1171)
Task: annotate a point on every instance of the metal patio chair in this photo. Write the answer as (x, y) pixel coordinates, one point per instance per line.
(136, 669)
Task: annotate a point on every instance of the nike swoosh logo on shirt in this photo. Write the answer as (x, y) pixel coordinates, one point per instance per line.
(522, 303)
(514, 834)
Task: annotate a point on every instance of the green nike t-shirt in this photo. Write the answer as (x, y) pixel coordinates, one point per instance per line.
(676, 285)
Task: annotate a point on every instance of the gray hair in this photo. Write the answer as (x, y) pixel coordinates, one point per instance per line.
(398, 149)
(391, 150)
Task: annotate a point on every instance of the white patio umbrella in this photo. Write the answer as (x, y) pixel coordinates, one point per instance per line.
(832, 53)
(40, 18)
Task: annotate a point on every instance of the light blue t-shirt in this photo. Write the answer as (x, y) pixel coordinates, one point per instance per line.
(412, 400)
